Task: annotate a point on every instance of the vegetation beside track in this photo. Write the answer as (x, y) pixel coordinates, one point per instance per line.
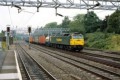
(106, 41)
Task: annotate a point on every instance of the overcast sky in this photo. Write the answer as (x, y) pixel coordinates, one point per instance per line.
(29, 16)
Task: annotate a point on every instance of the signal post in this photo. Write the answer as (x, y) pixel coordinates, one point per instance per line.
(7, 39)
(29, 31)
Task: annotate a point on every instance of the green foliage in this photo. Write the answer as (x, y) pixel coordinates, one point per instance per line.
(98, 34)
(103, 41)
(2, 34)
(104, 25)
(77, 24)
(91, 22)
(114, 22)
(65, 22)
(93, 39)
(115, 42)
(51, 25)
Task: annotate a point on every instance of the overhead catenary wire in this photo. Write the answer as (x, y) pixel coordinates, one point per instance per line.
(29, 19)
(24, 16)
(22, 10)
(10, 16)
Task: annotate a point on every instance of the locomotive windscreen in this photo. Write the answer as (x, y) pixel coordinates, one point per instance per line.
(77, 36)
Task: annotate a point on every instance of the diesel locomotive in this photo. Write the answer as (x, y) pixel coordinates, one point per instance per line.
(72, 41)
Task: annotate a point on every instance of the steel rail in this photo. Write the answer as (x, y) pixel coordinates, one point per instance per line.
(100, 59)
(111, 57)
(24, 67)
(40, 66)
(84, 65)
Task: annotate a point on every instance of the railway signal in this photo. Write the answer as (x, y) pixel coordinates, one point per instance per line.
(8, 31)
(29, 31)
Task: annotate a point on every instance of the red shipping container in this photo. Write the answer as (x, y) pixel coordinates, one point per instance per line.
(42, 40)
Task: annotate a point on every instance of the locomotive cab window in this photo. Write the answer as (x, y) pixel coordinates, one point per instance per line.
(77, 36)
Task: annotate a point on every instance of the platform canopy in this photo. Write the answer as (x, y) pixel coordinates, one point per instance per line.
(67, 4)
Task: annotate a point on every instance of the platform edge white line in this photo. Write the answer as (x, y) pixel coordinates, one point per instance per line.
(18, 69)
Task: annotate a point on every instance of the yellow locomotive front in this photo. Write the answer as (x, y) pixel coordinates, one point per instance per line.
(77, 41)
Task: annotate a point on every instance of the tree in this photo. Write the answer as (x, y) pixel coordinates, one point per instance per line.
(77, 24)
(104, 24)
(51, 25)
(91, 22)
(65, 22)
(114, 22)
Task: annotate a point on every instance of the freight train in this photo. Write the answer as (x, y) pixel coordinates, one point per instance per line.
(73, 41)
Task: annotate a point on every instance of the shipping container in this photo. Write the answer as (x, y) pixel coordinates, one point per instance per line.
(42, 39)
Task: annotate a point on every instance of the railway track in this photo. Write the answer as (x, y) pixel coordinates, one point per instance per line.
(115, 56)
(104, 51)
(30, 68)
(70, 71)
(112, 60)
(107, 55)
(104, 71)
(99, 59)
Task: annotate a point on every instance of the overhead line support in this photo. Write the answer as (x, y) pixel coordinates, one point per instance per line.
(71, 4)
(39, 4)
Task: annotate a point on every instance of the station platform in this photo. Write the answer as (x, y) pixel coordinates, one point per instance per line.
(9, 69)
